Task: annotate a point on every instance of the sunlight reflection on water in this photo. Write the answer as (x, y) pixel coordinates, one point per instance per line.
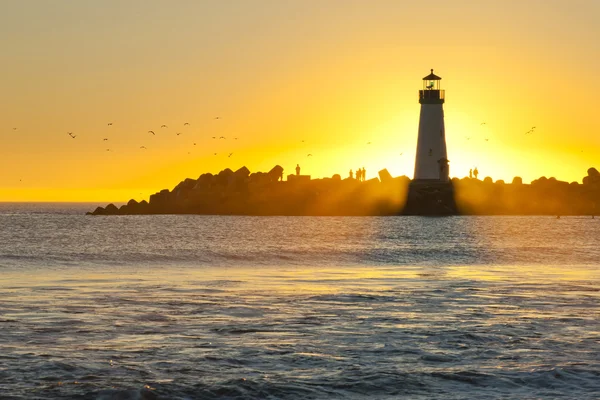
(208, 307)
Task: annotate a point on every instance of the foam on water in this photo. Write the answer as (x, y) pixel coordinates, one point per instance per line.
(180, 307)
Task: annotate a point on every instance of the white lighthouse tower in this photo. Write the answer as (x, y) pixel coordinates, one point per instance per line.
(431, 191)
(432, 160)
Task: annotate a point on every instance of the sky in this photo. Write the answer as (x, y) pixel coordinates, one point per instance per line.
(288, 78)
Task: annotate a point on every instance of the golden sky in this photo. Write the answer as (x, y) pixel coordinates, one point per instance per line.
(335, 74)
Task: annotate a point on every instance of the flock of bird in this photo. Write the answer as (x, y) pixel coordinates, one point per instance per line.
(229, 155)
(529, 132)
(164, 126)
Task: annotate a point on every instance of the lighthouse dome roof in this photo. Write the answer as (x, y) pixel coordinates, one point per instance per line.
(432, 77)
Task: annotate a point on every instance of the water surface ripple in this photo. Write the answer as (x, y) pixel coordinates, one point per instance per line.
(190, 307)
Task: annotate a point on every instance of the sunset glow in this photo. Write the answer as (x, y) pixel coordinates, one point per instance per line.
(288, 79)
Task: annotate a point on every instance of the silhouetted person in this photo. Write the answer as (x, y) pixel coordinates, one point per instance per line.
(475, 172)
(363, 174)
(351, 174)
(281, 175)
(297, 169)
(359, 174)
(471, 173)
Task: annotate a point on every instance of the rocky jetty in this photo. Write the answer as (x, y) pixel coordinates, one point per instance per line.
(266, 193)
(544, 196)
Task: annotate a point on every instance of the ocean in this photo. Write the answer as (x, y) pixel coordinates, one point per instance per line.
(203, 307)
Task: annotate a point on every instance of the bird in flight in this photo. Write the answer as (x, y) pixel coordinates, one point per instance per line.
(368, 142)
(143, 147)
(105, 139)
(186, 124)
(14, 129)
(531, 130)
(401, 153)
(483, 123)
(110, 124)
(72, 135)
(178, 133)
(230, 154)
(234, 138)
(215, 154)
(468, 138)
(222, 137)
(217, 117)
(487, 140)
(152, 132)
(309, 155)
(107, 149)
(302, 141)
(214, 137)
(164, 126)
(194, 144)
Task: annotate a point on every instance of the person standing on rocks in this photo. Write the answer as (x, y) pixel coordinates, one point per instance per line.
(297, 169)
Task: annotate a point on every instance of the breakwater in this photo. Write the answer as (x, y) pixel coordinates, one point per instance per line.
(266, 193)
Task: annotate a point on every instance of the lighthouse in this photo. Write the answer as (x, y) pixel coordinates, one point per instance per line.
(431, 163)
(431, 191)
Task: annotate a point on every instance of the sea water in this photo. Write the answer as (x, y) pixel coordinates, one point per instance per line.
(200, 307)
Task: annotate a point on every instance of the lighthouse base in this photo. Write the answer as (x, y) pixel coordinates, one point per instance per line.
(430, 197)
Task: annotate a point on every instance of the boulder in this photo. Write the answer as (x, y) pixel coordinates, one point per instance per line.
(226, 172)
(242, 172)
(385, 176)
(224, 177)
(276, 173)
(186, 184)
(205, 178)
(111, 209)
(204, 182)
(517, 180)
(99, 211)
(143, 207)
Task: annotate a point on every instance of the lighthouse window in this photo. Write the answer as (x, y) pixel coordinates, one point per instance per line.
(430, 86)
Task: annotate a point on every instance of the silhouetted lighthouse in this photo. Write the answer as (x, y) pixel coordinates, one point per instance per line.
(431, 192)
(432, 160)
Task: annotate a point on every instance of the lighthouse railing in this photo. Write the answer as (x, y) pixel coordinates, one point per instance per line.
(432, 94)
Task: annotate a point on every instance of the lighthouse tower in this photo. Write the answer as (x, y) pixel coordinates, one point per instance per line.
(432, 160)
(431, 191)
